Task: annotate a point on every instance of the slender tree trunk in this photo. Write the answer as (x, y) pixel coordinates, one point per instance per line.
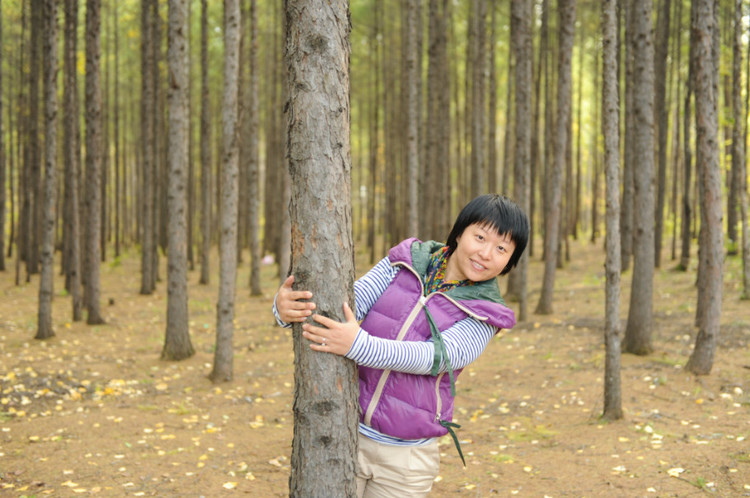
(93, 159)
(626, 211)
(688, 159)
(413, 9)
(445, 194)
(254, 165)
(147, 147)
(325, 394)
(509, 135)
(44, 321)
(704, 27)
(177, 345)
(743, 197)
(521, 18)
(596, 173)
(374, 128)
(205, 144)
(674, 70)
(223, 355)
(31, 207)
(478, 111)
(118, 201)
(158, 178)
(3, 201)
(662, 120)
(611, 133)
(574, 191)
(640, 314)
(492, 107)
(567, 15)
(535, 131)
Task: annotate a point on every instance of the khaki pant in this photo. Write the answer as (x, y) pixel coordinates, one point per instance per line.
(387, 471)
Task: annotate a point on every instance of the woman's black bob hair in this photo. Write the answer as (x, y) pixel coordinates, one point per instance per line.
(499, 213)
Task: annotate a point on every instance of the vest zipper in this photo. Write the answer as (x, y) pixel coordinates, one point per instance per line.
(439, 398)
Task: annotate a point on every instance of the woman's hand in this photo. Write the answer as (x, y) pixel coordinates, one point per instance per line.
(336, 337)
(289, 303)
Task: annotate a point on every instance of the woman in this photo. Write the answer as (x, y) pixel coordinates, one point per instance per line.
(427, 309)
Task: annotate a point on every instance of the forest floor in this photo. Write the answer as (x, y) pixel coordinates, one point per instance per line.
(94, 411)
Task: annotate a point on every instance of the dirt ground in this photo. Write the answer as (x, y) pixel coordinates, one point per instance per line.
(94, 411)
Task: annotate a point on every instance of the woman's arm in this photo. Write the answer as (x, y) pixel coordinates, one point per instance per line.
(464, 342)
(288, 307)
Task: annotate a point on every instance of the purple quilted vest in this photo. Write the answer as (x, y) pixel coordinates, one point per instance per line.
(404, 405)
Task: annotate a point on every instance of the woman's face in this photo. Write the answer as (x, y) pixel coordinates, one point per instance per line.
(481, 254)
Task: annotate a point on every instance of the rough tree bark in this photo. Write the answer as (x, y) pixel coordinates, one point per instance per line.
(32, 150)
(148, 242)
(205, 142)
(177, 345)
(325, 395)
(2, 168)
(478, 112)
(662, 112)
(640, 314)
(521, 40)
(567, 16)
(626, 207)
(711, 253)
(223, 355)
(413, 9)
(611, 133)
(44, 322)
(253, 156)
(93, 159)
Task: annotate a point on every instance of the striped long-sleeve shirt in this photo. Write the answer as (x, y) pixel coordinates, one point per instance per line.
(464, 341)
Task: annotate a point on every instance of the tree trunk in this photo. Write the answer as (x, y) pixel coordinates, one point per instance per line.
(44, 322)
(596, 173)
(661, 118)
(413, 9)
(674, 70)
(325, 401)
(223, 356)
(711, 253)
(492, 106)
(177, 345)
(521, 22)
(3, 175)
(118, 181)
(254, 162)
(148, 109)
(743, 201)
(567, 16)
(478, 111)
(205, 144)
(686, 214)
(93, 159)
(638, 331)
(443, 188)
(611, 133)
(734, 178)
(374, 128)
(160, 162)
(626, 211)
(32, 149)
